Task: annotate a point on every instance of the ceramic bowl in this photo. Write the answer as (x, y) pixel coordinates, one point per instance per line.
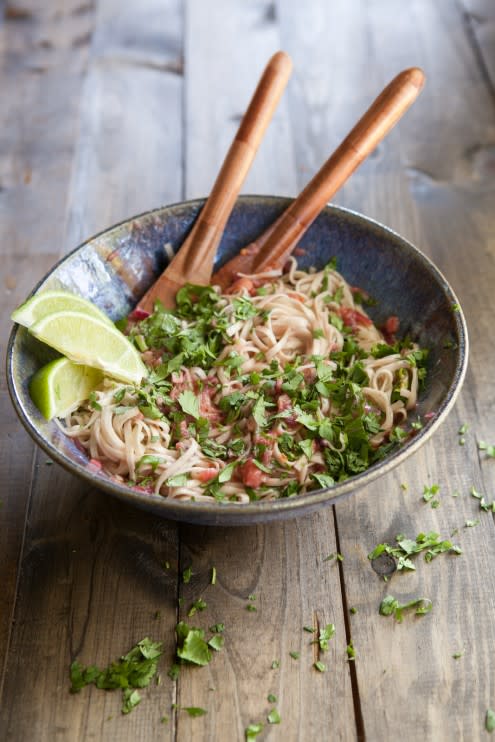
(114, 269)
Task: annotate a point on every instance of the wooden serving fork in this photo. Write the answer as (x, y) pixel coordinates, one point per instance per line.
(273, 247)
(193, 263)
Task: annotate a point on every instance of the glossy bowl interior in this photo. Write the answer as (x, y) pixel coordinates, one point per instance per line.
(115, 268)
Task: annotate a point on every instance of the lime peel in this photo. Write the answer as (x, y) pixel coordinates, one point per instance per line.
(48, 302)
(62, 384)
(89, 341)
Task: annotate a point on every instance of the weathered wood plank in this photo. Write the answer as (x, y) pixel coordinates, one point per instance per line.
(480, 20)
(40, 74)
(92, 578)
(280, 564)
(430, 182)
(222, 71)
(129, 156)
(283, 568)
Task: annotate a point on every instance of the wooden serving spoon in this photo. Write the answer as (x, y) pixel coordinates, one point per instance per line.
(194, 261)
(273, 247)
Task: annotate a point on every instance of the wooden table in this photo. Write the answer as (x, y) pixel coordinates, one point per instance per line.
(111, 108)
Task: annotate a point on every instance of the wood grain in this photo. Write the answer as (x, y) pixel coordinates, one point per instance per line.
(84, 146)
(92, 574)
(40, 73)
(413, 184)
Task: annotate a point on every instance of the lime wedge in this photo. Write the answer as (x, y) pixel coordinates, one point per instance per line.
(59, 385)
(49, 302)
(92, 342)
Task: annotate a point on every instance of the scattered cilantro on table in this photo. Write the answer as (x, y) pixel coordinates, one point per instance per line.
(406, 549)
(134, 670)
(391, 606)
(252, 731)
(274, 717)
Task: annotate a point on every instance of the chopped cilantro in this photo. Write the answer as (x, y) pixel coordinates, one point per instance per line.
(93, 401)
(258, 411)
(134, 670)
(250, 607)
(252, 731)
(275, 665)
(271, 698)
(186, 575)
(225, 474)
(194, 710)
(320, 666)
(325, 635)
(487, 448)
(130, 699)
(189, 403)
(294, 655)
(191, 645)
(217, 628)
(309, 629)
(198, 605)
(216, 642)
(174, 671)
(391, 606)
(351, 652)
(406, 548)
(458, 655)
(273, 717)
(490, 720)
(179, 480)
(472, 523)
(353, 610)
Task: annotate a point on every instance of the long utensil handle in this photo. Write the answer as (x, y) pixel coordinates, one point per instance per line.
(194, 261)
(378, 120)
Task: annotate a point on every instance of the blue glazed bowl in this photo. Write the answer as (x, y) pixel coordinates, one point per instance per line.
(115, 268)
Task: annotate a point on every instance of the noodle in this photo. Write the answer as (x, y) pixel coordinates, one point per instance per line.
(281, 387)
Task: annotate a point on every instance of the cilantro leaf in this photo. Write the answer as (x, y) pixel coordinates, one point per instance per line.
(191, 645)
(391, 606)
(252, 731)
(325, 635)
(130, 699)
(274, 717)
(134, 670)
(194, 710)
(259, 411)
(216, 642)
(189, 403)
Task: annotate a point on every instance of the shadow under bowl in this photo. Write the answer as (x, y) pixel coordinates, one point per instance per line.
(115, 268)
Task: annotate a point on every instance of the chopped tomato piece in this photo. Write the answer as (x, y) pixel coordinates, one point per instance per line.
(251, 475)
(391, 325)
(353, 318)
(206, 475)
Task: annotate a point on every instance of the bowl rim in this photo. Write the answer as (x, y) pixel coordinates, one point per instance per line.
(222, 512)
